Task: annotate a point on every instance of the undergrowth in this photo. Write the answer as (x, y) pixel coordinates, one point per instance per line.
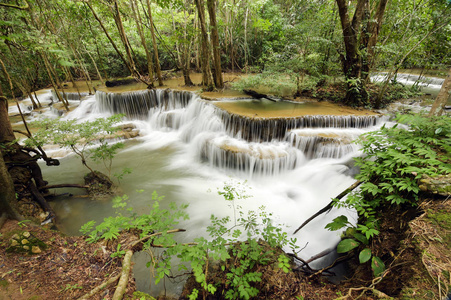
(394, 160)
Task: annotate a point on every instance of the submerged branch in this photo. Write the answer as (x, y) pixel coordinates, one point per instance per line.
(57, 186)
(329, 206)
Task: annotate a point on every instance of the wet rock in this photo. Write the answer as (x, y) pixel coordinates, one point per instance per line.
(25, 242)
(99, 184)
(440, 185)
(36, 249)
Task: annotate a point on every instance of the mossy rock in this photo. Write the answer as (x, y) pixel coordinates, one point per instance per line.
(99, 184)
(25, 242)
(440, 185)
(140, 295)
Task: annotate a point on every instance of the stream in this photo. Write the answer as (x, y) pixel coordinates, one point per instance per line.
(189, 148)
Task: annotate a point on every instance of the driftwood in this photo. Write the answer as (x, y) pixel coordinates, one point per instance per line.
(328, 207)
(57, 186)
(258, 95)
(123, 281)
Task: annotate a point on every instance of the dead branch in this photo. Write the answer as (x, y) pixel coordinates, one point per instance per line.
(99, 288)
(64, 185)
(257, 95)
(123, 281)
(328, 207)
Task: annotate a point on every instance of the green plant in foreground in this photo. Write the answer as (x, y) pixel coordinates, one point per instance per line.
(237, 244)
(395, 159)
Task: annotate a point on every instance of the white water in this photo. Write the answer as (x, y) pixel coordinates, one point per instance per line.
(427, 84)
(182, 154)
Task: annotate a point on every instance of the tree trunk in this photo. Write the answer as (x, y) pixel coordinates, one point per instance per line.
(109, 37)
(186, 51)
(442, 97)
(374, 26)
(154, 43)
(219, 83)
(356, 94)
(124, 39)
(138, 22)
(207, 77)
(7, 193)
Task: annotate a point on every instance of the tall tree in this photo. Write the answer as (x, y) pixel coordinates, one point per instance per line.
(359, 37)
(207, 77)
(219, 83)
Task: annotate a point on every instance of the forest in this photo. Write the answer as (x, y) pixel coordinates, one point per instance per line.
(253, 105)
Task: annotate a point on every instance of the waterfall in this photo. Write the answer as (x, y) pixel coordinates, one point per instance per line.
(228, 141)
(268, 129)
(138, 104)
(70, 95)
(189, 148)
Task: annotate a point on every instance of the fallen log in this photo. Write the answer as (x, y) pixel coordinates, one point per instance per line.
(64, 185)
(258, 95)
(328, 207)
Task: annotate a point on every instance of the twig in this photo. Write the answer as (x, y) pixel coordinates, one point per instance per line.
(328, 207)
(154, 234)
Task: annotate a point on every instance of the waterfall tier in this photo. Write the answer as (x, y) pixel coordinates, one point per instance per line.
(138, 104)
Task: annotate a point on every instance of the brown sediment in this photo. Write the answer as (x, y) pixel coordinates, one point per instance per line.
(289, 109)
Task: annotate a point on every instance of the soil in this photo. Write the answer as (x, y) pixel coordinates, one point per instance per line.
(67, 269)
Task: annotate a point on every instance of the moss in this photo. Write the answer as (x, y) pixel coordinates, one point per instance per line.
(4, 283)
(141, 295)
(442, 219)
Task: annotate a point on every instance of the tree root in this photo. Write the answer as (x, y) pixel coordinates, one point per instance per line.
(3, 219)
(123, 281)
(364, 289)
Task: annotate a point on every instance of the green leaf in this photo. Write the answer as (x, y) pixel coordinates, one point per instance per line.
(347, 245)
(365, 255)
(377, 265)
(361, 238)
(337, 223)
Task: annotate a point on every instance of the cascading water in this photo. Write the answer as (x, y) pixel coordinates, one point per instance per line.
(188, 148)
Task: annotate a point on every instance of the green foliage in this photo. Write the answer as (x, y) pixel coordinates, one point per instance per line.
(87, 140)
(395, 158)
(239, 245)
(157, 220)
(119, 252)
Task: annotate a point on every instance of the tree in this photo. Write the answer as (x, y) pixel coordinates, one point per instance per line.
(219, 83)
(7, 193)
(359, 36)
(207, 78)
